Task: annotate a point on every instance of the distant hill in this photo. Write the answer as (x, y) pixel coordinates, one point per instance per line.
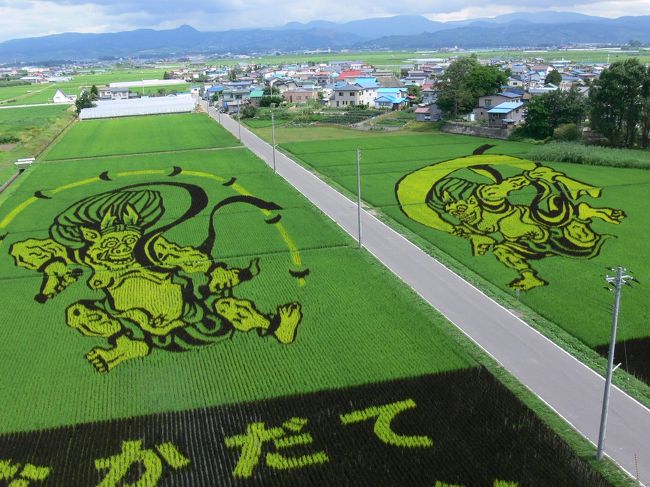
(522, 33)
(380, 26)
(180, 41)
(398, 32)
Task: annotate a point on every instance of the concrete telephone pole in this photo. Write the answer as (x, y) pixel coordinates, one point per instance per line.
(273, 137)
(239, 122)
(617, 281)
(359, 194)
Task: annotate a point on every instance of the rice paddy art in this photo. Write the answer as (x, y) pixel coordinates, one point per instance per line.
(518, 210)
(150, 297)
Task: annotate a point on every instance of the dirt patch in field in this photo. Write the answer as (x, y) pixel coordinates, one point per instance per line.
(7, 147)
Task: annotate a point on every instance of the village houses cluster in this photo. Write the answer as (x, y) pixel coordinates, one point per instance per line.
(344, 85)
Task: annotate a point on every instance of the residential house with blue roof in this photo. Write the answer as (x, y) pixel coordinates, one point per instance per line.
(507, 114)
(391, 98)
(486, 103)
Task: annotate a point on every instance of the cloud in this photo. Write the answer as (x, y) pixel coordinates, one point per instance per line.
(27, 18)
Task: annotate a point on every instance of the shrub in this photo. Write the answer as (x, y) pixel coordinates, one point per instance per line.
(249, 111)
(8, 139)
(567, 132)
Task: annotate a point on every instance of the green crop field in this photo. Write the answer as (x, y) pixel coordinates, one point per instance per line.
(560, 275)
(34, 127)
(43, 93)
(188, 318)
(92, 138)
(393, 60)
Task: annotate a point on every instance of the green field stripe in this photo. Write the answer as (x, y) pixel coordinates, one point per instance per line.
(115, 156)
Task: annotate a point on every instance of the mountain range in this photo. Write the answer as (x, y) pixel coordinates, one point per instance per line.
(541, 29)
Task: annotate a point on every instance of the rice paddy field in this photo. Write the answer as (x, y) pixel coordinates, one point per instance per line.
(546, 237)
(187, 318)
(133, 135)
(34, 128)
(395, 59)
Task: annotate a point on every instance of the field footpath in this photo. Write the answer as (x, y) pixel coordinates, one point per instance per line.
(565, 384)
(6, 107)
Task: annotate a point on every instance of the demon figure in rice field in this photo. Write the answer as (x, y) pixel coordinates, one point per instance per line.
(515, 208)
(150, 297)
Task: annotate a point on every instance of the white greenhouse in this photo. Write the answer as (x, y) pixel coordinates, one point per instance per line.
(140, 106)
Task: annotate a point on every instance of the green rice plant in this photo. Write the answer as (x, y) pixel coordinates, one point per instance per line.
(385, 160)
(98, 253)
(577, 153)
(132, 135)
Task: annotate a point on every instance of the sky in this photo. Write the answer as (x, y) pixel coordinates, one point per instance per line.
(32, 18)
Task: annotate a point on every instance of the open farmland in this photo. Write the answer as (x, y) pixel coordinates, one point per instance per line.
(570, 287)
(43, 93)
(93, 138)
(396, 59)
(34, 127)
(189, 319)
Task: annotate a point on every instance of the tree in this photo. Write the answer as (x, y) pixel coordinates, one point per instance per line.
(554, 78)
(416, 92)
(546, 112)
(167, 75)
(268, 90)
(485, 80)
(84, 101)
(645, 111)
(464, 81)
(266, 101)
(94, 93)
(618, 99)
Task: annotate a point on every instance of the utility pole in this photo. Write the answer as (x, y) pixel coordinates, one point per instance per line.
(359, 194)
(239, 121)
(273, 137)
(617, 281)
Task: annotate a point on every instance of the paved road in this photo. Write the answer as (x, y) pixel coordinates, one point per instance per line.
(569, 387)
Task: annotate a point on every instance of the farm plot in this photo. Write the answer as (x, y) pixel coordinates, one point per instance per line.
(92, 138)
(28, 131)
(543, 232)
(189, 319)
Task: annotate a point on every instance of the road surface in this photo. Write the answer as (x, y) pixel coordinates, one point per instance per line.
(569, 387)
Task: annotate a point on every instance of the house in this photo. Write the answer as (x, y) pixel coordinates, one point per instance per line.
(350, 75)
(391, 98)
(429, 93)
(486, 103)
(283, 84)
(300, 95)
(506, 114)
(542, 90)
(515, 81)
(428, 112)
(60, 97)
(256, 97)
(344, 95)
(114, 93)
